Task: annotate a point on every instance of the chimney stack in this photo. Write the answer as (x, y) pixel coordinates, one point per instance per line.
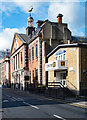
(59, 18)
(39, 23)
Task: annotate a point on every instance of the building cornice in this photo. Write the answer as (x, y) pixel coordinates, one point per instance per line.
(65, 46)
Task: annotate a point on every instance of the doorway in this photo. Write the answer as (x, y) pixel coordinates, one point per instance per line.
(61, 77)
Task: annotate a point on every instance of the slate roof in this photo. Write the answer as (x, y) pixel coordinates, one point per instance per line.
(79, 39)
(23, 37)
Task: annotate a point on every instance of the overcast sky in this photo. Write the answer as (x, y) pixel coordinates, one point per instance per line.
(13, 16)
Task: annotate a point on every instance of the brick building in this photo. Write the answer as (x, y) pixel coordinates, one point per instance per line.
(67, 67)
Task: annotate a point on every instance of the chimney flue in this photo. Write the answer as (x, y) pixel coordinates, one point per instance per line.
(59, 18)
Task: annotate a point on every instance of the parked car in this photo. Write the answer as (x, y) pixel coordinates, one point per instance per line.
(3, 86)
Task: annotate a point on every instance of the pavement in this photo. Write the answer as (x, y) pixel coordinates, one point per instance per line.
(77, 102)
(22, 104)
(80, 102)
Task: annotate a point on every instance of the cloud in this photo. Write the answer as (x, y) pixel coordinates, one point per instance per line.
(6, 36)
(74, 13)
(24, 5)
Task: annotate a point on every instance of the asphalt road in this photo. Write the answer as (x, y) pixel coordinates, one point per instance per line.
(21, 104)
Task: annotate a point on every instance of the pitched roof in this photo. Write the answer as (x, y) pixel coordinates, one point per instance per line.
(23, 37)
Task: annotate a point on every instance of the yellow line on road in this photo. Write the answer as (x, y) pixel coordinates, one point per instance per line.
(77, 105)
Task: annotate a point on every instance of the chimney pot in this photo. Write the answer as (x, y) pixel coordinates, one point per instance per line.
(59, 18)
(39, 23)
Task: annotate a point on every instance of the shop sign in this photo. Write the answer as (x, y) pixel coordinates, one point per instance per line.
(62, 63)
(54, 64)
(50, 66)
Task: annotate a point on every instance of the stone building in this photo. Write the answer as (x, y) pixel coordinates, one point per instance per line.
(19, 61)
(5, 71)
(3, 53)
(67, 67)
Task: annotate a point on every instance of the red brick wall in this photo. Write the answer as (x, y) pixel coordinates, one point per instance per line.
(33, 64)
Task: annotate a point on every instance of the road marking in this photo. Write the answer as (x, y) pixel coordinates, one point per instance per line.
(26, 103)
(77, 105)
(5, 101)
(13, 99)
(8, 95)
(59, 117)
(20, 99)
(31, 105)
(34, 106)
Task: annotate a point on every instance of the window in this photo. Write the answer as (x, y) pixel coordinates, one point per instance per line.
(59, 57)
(18, 61)
(36, 74)
(32, 53)
(16, 45)
(21, 57)
(30, 76)
(14, 63)
(36, 51)
(33, 75)
(64, 56)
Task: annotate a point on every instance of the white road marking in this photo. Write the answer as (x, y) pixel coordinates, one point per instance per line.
(26, 103)
(34, 106)
(20, 99)
(8, 95)
(5, 101)
(13, 99)
(31, 105)
(59, 117)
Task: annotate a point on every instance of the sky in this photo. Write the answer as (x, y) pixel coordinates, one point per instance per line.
(14, 14)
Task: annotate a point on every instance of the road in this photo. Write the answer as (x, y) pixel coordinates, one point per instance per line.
(21, 104)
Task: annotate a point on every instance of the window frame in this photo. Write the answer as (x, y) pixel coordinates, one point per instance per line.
(32, 53)
(36, 51)
(21, 58)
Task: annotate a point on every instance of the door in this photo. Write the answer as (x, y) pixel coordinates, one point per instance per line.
(63, 78)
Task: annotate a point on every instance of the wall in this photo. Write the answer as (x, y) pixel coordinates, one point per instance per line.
(19, 43)
(33, 64)
(83, 68)
(71, 56)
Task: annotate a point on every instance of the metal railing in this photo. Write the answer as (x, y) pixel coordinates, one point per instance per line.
(55, 84)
